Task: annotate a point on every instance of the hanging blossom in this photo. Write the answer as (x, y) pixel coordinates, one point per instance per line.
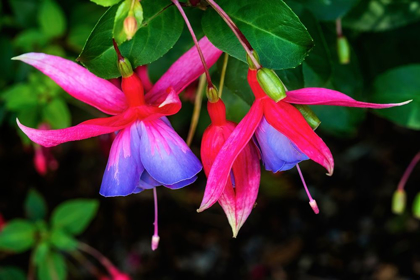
(240, 192)
(146, 152)
(282, 133)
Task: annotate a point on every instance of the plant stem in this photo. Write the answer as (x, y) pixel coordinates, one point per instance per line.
(197, 109)
(408, 171)
(223, 74)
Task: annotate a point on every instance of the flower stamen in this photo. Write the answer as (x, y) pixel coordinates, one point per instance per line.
(155, 237)
(312, 202)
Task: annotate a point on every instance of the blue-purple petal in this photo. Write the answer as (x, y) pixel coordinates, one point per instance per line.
(164, 154)
(278, 153)
(124, 167)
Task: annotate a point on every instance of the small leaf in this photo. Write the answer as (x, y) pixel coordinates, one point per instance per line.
(30, 39)
(123, 12)
(11, 273)
(106, 3)
(161, 28)
(63, 241)
(35, 206)
(382, 15)
(397, 85)
(53, 267)
(20, 97)
(328, 10)
(51, 19)
(56, 113)
(41, 252)
(74, 216)
(17, 236)
(271, 27)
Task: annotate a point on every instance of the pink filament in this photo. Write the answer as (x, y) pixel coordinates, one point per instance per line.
(312, 202)
(155, 237)
(408, 171)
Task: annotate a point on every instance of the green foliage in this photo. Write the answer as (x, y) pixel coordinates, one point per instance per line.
(124, 10)
(106, 3)
(271, 27)
(162, 26)
(52, 266)
(56, 113)
(63, 241)
(397, 85)
(328, 10)
(74, 216)
(382, 15)
(35, 206)
(51, 19)
(17, 236)
(11, 273)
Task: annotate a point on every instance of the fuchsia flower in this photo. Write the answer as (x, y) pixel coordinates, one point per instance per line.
(146, 152)
(43, 159)
(282, 133)
(240, 192)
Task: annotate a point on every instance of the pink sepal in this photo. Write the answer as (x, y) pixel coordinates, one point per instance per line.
(78, 82)
(323, 96)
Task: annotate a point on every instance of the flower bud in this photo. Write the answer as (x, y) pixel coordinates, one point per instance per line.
(125, 67)
(212, 94)
(155, 242)
(309, 115)
(343, 50)
(271, 84)
(416, 206)
(130, 26)
(398, 202)
(249, 60)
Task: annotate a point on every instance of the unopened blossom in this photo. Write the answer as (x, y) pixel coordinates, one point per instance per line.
(269, 120)
(146, 152)
(240, 193)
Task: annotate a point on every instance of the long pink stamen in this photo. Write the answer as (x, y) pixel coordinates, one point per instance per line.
(312, 202)
(203, 61)
(155, 237)
(242, 39)
(408, 171)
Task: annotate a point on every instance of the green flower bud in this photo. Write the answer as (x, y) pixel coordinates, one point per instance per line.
(416, 206)
(249, 60)
(343, 49)
(212, 94)
(125, 67)
(309, 115)
(271, 84)
(398, 201)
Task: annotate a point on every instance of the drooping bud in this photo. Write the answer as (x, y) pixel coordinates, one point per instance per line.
(155, 242)
(416, 206)
(124, 66)
(249, 60)
(343, 50)
(309, 115)
(212, 94)
(130, 26)
(314, 206)
(271, 84)
(398, 201)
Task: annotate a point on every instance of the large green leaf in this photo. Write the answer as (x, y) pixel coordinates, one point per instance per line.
(74, 216)
(396, 85)
(161, 28)
(51, 19)
(63, 241)
(35, 206)
(381, 15)
(52, 267)
(271, 27)
(17, 236)
(327, 9)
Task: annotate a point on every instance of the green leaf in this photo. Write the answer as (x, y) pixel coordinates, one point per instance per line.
(63, 241)
(51, 19)
(74, 216)
(397, 85)
(122, 13)
(158, 33)
(35, 206)
(17, 236)
(106, 3)
(41, 252)
(271, 27)
(20, 97)
(25, 12)
(381, 15)
(328, 10)
(30, 39)
(52, 267)
(11, 273)
(56, 113)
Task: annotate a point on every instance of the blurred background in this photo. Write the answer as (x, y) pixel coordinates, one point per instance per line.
(355, 236)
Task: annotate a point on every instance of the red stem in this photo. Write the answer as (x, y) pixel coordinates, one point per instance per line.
(408, 171)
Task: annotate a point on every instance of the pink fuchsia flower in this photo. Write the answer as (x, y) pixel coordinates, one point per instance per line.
(270, 120)
(240, 192)
(43, 158)
(146, 152)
